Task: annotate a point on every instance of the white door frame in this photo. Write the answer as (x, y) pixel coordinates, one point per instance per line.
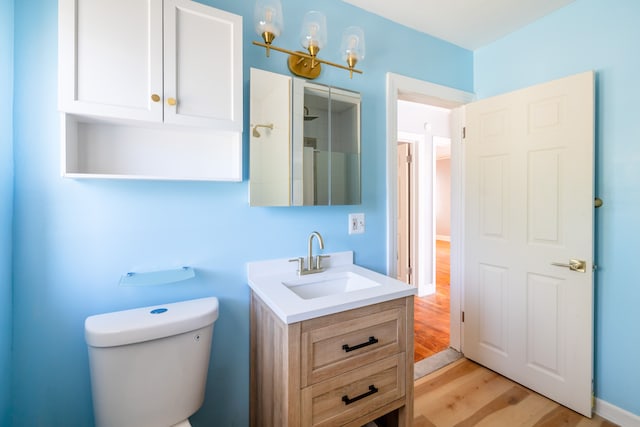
(407, 88)
(423, 272)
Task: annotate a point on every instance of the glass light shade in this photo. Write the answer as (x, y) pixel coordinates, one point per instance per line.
(352, 46)
(313, 36)
(267, 18)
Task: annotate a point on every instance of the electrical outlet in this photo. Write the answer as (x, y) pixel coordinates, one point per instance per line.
(356, 223)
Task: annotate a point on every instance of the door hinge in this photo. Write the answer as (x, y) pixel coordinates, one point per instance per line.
(463, 317)
(409, 158)
(464, 132)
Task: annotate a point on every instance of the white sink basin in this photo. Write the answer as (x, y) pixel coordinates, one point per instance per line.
(342, 286)
(325, 284)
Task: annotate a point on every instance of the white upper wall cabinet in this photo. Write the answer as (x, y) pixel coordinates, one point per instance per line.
(150, 89)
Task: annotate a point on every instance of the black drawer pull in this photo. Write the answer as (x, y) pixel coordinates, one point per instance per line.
(372, 340)
(347, 401)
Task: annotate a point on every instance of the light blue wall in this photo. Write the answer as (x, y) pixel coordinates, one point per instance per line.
(73, 239)
(600, 36)
(6, 203)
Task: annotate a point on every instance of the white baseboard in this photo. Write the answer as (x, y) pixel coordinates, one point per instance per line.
(443, 237)
(616, 415)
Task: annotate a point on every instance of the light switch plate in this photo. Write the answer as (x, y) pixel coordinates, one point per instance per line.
(356, 223)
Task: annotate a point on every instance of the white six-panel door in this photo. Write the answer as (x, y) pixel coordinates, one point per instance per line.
(529, 204)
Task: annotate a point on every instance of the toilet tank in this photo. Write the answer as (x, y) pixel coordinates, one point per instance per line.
(149, 365)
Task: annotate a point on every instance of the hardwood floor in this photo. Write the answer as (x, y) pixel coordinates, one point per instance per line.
(431, 313)
(465, 394)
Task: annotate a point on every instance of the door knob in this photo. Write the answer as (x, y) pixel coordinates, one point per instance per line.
(574, 265)
(155, 97)
(172, 101)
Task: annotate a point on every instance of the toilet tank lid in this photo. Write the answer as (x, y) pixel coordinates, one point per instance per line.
(149, 323)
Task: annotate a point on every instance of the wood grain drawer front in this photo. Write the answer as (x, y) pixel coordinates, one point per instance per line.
(345, 344)
(350, 396)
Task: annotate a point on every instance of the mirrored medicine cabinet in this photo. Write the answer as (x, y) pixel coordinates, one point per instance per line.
(304, 142)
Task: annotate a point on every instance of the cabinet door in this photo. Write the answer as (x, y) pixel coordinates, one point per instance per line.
(270, 139)
(203, 66)
(110, 58)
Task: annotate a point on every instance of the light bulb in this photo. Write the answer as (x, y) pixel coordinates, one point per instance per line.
(352, 46)
(268, 19)
(313, 36)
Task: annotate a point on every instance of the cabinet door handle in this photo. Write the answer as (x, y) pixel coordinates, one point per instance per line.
(172, 101)
(372, 340)
(347, 401)
(155, 97)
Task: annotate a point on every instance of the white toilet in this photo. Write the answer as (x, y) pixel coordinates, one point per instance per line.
(149, 365)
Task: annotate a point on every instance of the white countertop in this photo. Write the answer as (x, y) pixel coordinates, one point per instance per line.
(266, 280)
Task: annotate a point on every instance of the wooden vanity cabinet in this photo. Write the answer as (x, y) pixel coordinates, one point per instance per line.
(343, 369)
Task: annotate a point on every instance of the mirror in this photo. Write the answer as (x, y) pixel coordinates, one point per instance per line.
(304, 143)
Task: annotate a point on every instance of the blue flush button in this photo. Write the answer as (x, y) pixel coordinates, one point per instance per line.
(158, 310)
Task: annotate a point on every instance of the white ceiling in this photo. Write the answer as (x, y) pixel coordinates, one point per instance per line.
(467, 23)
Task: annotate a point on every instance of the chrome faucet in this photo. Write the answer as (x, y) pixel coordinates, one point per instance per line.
(310, 263)
(313, 263)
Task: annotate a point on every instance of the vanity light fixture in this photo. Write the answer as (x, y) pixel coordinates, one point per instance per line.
(313, 37)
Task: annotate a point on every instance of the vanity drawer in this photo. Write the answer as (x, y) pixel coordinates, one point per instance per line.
(336, 344)
(340, 400)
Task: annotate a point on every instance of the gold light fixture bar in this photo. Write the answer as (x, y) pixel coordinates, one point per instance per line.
(302, 68)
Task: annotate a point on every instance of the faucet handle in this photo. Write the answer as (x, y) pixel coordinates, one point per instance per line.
(319, 259)
(300, 261)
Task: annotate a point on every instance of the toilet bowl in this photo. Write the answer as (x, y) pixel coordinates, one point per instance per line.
(149, 365)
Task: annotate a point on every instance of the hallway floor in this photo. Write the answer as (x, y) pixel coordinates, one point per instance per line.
(431, 313)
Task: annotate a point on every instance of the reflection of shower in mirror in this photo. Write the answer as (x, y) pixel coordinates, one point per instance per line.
(307, 116)
(255, 132)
